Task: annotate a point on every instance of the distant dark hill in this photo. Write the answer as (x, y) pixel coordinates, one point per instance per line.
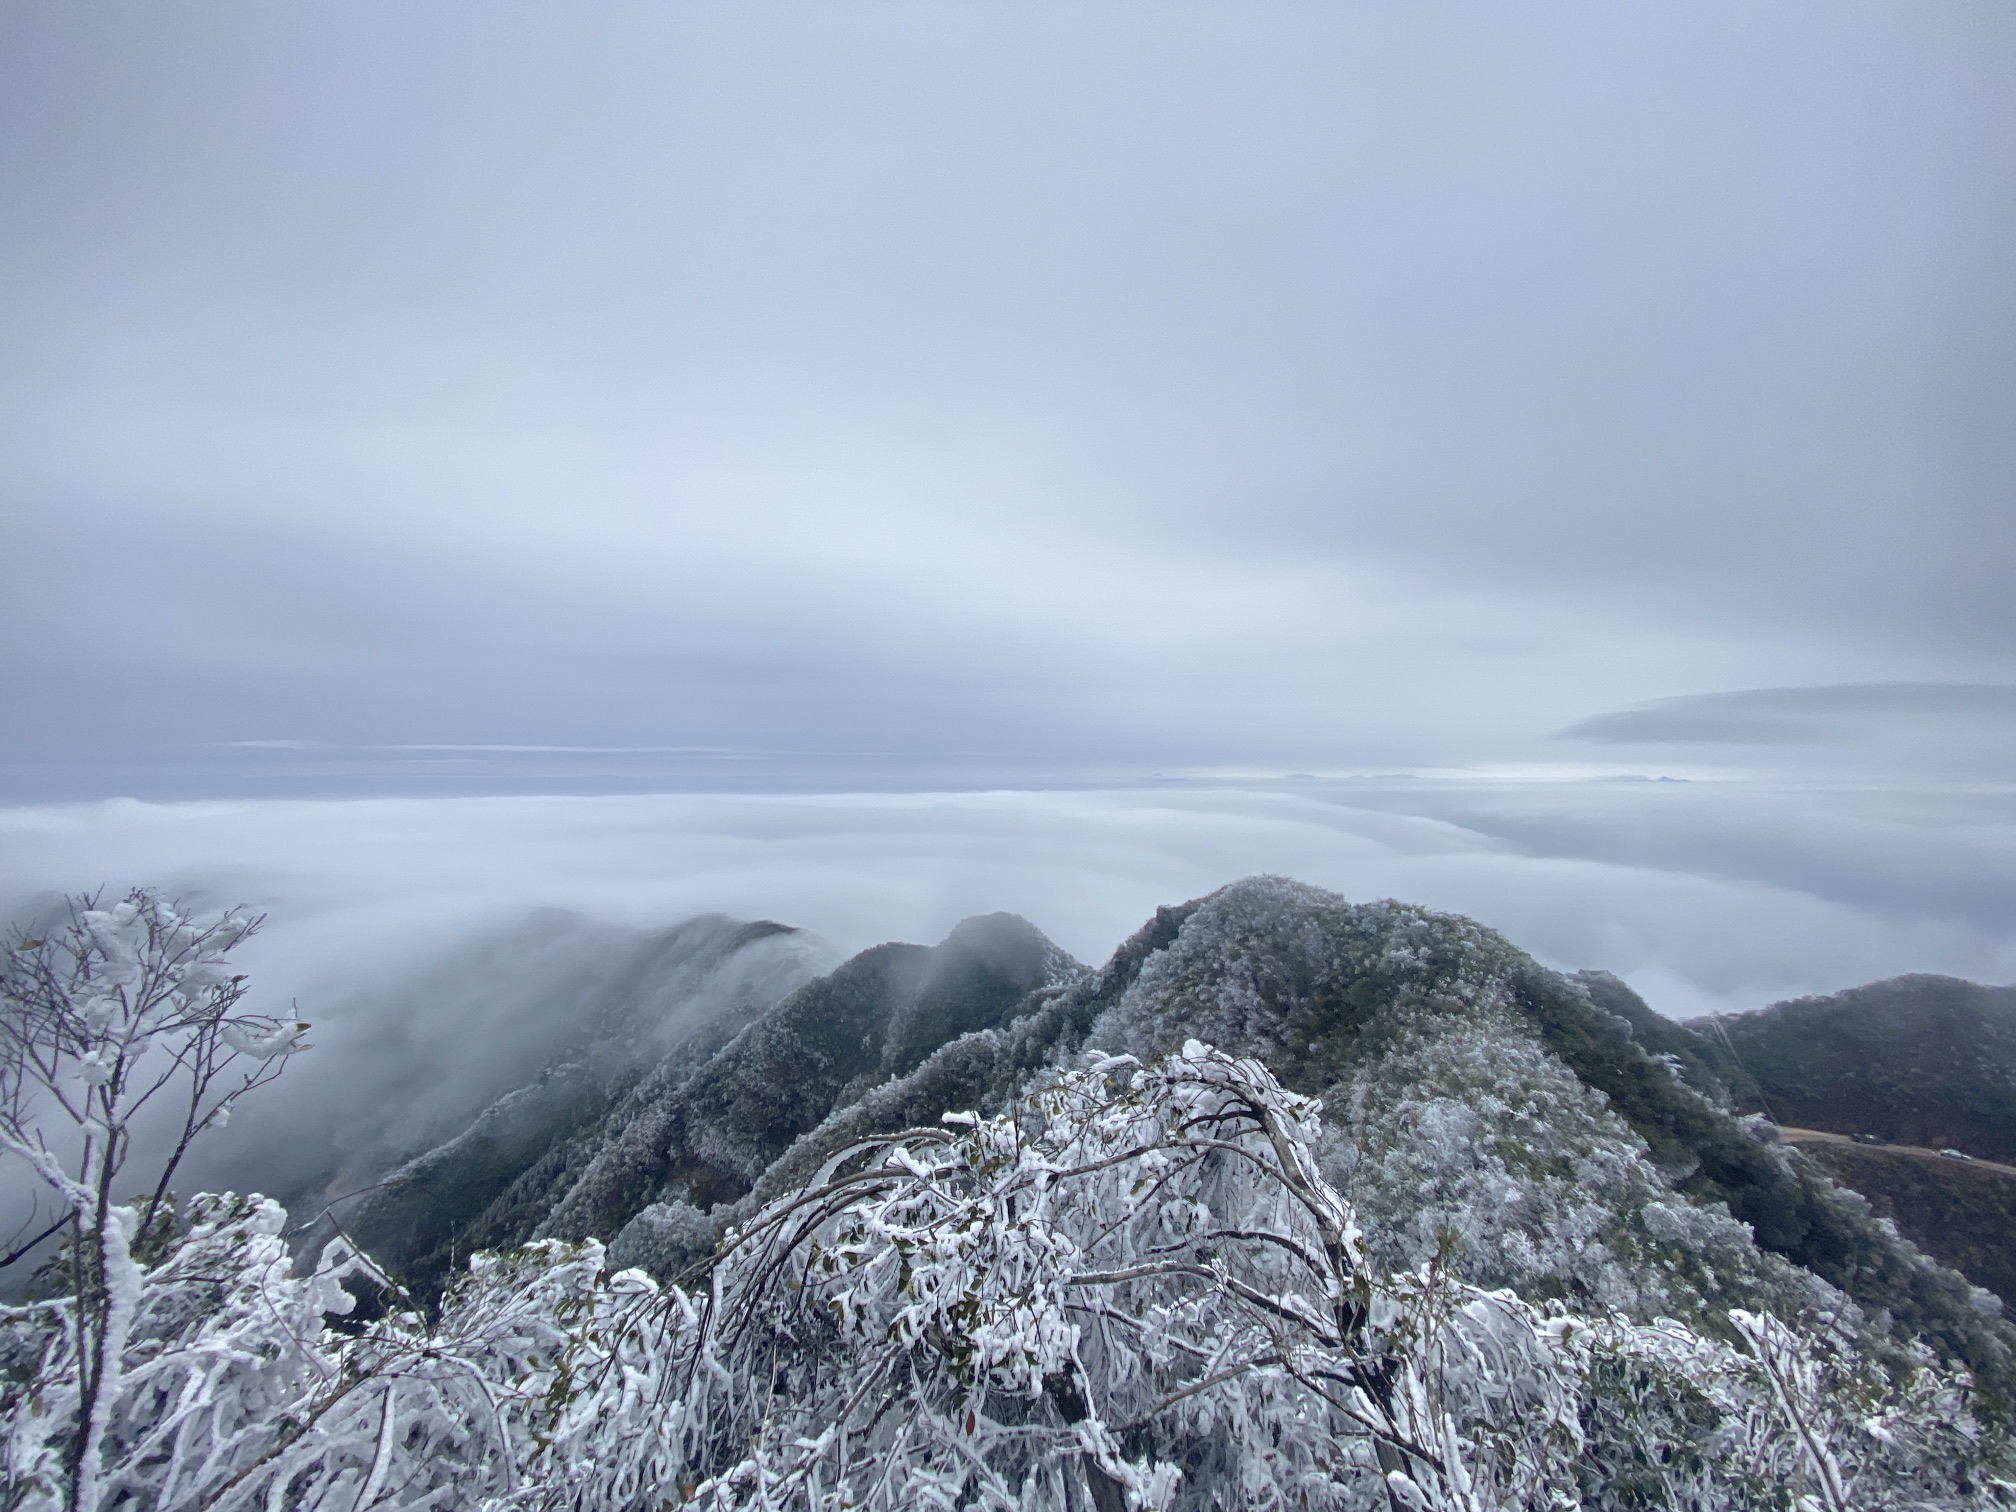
(591, 1140)
(670, 999)
(1924, 1062)
(1921, 1060)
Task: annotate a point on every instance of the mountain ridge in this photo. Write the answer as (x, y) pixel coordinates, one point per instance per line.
(577, 1152)
(1541, 1130)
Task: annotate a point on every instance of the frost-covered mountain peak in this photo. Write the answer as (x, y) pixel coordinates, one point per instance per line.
(1293, 974)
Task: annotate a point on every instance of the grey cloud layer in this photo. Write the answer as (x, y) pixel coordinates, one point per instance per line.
(1148, 385)
(1731, 892)
(1978, 718)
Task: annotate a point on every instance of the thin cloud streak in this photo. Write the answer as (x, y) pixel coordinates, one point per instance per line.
(1960, 728)
(1771, 715)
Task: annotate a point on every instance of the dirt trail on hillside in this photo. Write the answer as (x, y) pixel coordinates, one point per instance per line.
(1821, 1136)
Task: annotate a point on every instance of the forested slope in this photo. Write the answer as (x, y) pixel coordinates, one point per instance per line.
(1921, 1060)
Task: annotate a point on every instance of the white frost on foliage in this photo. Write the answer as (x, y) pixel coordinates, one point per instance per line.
(99, 1016)
(236, 1392)
(1255, 956)
(1135, 1288)
(1456, 1132)
(1470, 1139)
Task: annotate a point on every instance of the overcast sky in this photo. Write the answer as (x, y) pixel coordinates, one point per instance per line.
(835, 393)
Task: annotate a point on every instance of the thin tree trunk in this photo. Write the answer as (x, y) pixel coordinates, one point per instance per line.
(1108, 1495)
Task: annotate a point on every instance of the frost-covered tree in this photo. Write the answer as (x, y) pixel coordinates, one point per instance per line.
(1136, 1279)
(1132, 1288)
(237, 1391)
(105, 1018)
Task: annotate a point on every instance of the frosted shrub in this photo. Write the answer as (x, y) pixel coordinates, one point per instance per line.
(235, 1390)
(1133, 1289)
(1139, 1277)
(120, 1012)
(232, 1390)
(1469, 1139)
(1779, 1418)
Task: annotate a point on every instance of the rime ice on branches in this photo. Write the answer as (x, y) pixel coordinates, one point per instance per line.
(114, 1010)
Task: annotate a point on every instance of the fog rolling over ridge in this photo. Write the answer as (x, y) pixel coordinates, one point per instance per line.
(1701, 893)
(406, 1063)
(441, 947)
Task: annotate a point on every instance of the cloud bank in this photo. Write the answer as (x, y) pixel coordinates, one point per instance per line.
(439, 945)
(1729, 893)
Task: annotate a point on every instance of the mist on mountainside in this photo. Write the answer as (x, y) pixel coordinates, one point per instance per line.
(407, 1061)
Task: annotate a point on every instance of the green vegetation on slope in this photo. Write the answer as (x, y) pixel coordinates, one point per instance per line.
(1922, 1060)
(1962, 1213)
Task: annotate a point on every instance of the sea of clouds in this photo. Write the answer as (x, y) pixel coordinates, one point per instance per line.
(1705, 896)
